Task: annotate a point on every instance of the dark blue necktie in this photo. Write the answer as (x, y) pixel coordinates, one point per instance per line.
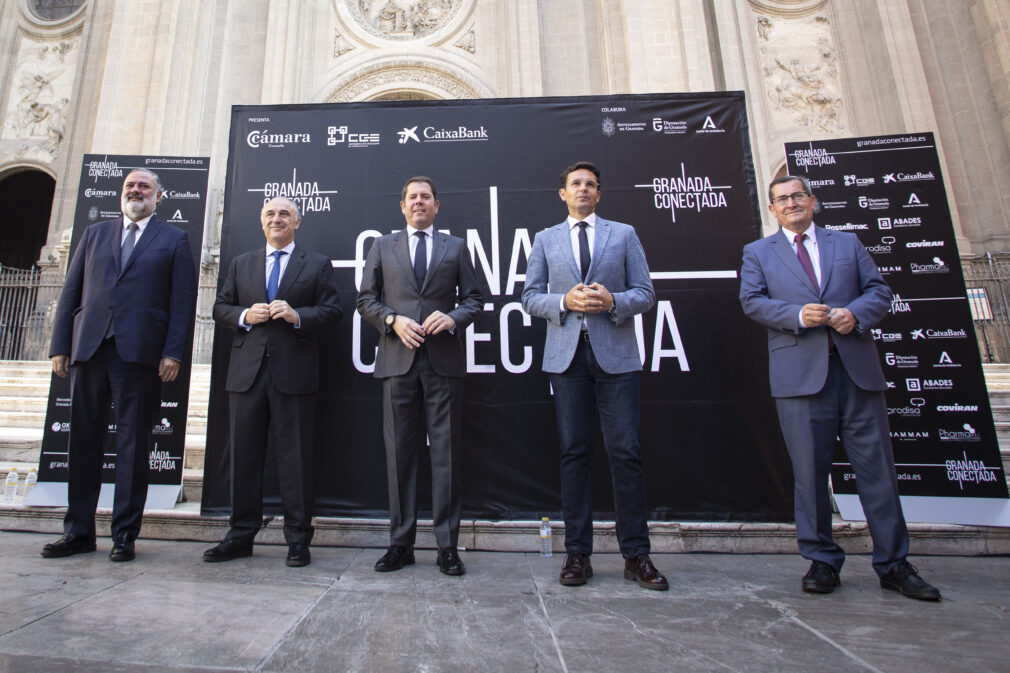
(584, 258)
(275, 276)
(128, 243)
(421, 258)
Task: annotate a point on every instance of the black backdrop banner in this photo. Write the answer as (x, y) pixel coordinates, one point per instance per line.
(889, 191)
(677, 167)
(98, 198)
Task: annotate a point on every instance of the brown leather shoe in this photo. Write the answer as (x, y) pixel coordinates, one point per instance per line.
(576, 570)
(641, 570)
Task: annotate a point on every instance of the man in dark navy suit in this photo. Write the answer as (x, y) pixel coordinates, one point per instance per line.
(122, 325)
(275, 298)
(818, 292)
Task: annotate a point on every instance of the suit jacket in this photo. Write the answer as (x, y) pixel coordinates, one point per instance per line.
(388, 286)
(151, 303)
(773, 289)
(618, 263)
(309, 286)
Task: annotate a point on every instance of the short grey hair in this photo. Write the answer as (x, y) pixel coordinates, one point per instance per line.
(294, 206)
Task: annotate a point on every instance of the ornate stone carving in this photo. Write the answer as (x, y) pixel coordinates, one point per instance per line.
(340, 45)
(427, 79)
(37, 111)
(468, 42)
(402, 19)
(801, 72)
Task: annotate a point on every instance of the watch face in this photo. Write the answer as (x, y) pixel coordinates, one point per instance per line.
(390, 318)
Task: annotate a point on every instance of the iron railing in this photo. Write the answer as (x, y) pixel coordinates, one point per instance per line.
(986, 278)
(28, 303)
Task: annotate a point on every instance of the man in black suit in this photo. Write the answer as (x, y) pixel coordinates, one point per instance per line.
(122, 325)
(275, 299)
(410, 288)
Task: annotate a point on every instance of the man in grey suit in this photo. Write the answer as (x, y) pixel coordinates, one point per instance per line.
(819, 293)
(275, 298)
(420, 291)
(588, 278)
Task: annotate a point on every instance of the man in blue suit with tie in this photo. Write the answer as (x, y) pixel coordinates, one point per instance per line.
(819, 293)
(588, 278)
(122, 326)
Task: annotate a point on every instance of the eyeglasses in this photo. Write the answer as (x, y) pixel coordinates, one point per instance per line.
(576, 183)
(797, 197)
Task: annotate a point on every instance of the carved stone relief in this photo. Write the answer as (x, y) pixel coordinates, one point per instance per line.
(402, 19)
(468, 42)
(39, 100)
(427, 80)
(801, 75)
(340, 45)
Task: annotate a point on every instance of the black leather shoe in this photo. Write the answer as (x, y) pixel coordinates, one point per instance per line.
(298, 555)
(68, 545)
(395, 558)
(449, 562)
(905, 579)
(820, 579)
(228, 550)
(577, 570)
(641, 570)
(122, 547)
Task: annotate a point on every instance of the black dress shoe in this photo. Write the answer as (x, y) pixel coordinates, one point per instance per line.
(905, 578)
(298, 555)
(820, 579)
(577, 570)
(227, 551)
(449, 562)
(641, 570)
(68, 545)
(395, 558)
(122, 547)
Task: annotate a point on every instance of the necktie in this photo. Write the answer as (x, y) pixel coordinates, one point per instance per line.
(801, 252)
(584, 258)
(421, 258)
(275, 276)
(128, 243)
(808, 266)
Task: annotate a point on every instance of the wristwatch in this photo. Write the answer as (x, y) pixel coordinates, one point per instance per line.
(390, 319)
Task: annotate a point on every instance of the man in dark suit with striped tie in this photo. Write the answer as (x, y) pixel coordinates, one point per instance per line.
(275, 298)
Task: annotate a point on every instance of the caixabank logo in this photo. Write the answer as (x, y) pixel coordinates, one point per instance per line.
(439, 134)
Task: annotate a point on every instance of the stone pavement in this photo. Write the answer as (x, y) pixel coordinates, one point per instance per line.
(169, 611)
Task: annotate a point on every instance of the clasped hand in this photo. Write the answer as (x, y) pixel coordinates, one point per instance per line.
(839, 319)
(412, 334)
(593, 298)
(278, 309)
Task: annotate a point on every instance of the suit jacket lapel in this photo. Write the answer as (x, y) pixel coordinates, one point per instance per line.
(784, 249)
(438, 248)
(600, 239)
(116, 243)
(563, 241)
(826, 249)
(401, 250)
(291, 271)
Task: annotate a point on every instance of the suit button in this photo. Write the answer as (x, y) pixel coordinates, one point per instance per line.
(580, 316)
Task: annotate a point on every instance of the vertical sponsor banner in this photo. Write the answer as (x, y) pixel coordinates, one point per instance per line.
(183, 205)
(676, 167)
(889, 191)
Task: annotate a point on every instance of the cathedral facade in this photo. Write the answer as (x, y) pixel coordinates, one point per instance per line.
(159, 77)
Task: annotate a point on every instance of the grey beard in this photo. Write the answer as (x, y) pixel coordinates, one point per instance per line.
(133, 208)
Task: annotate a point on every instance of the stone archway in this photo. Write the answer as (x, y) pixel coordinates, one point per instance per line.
(28, 194)
(406, 79)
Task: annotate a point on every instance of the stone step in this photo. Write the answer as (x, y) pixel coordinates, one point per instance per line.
(185, 523)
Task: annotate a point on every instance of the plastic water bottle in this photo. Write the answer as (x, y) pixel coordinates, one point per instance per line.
(545, 537)
(33, 476)
(11, 486)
